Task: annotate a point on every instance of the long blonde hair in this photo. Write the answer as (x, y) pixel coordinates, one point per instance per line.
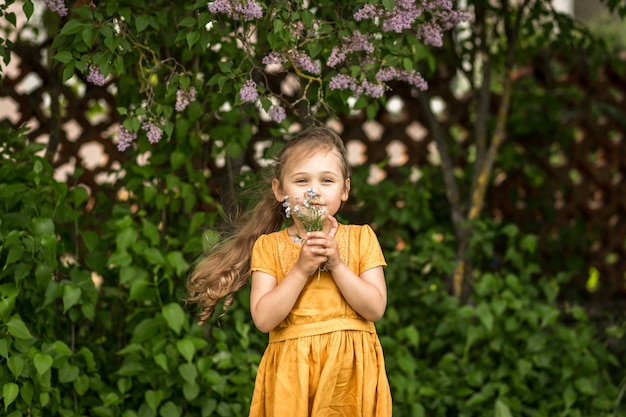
(225, 269)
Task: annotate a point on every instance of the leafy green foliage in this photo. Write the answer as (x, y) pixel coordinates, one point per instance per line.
(506, 348)
(92, 320)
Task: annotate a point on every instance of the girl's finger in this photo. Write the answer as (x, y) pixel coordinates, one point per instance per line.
(334, 225)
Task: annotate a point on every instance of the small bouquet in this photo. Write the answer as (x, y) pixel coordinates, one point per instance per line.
(309, 212)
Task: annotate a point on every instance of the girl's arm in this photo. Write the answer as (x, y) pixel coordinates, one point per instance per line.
(366, 293)
(271, 302)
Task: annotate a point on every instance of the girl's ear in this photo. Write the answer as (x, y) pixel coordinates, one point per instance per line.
(346, 190)
(277, 191)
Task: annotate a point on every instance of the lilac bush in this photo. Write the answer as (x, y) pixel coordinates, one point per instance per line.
(241, 47)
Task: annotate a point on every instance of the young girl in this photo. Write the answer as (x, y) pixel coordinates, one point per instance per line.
(317, 293)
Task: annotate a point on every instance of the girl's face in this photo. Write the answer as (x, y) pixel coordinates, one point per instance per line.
(320, 171)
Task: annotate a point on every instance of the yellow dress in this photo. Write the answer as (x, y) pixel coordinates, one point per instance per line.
(324, 359)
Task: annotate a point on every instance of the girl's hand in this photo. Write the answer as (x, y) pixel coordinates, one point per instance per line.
(324, 245)
(309, 260)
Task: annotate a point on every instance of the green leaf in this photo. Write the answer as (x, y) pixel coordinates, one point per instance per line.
(151, 231)
(501, 409)
(154, 398)
(146, 330)
(68, 71)
(90, 239)
(16, 365)
(126, 238)
(174, 316)
(177, 159)
(42, 226)
(4, 348)
(28, 8)
(186, 348)
(225, 66)
(169, 409)
(192, 38)
(585, 386)
(9, 393)
(191, 390)
(188, 371)
(68, 373)
(407, 63)
(38, 167)
(18, 329)
(72, 26)
(141, 23)
(89, 36)
(26, 392)
(62, 349)
(71, 296)
(15, 253)
(485, 315)
(187, 22)
(154, 256)
(7, 302)
(44, 398)
(80, 195)
(412, 335)
(569, 396)
(120, 258)
(138, 289)
(176, 259)
(81, 384)
(42, 362)
(161, 360)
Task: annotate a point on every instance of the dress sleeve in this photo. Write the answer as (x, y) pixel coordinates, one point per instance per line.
(264, 256)
(371, 255)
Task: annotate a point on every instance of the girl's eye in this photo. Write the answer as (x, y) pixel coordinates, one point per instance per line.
(301, 181)
(327, 180)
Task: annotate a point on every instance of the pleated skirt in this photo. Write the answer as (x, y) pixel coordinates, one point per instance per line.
(336, 374)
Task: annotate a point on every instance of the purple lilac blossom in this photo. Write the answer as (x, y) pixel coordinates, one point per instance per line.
(249, 10)
(346, 82)
(430, 33)
(337, 56)
(221, 6)
(297, 30)
(303, 61)
(184, 98)
(413, 77)
(153, 132)
(273, 58)
(406, 12)
(368, 11)
(57, 6)
(95, 76)
(448, 19)
(387, 74)
(434, 4)
(277, 113)
(359, 42)
(354, 43)
(248, 92)
(342, 82)
(125, 138)
(373, 90)
(401, 17)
